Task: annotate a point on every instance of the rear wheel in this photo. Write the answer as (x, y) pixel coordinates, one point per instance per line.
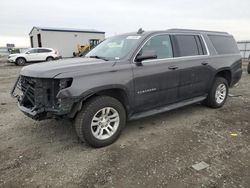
(100, 121)
(49, 59)
(218, 93)
(20, 61)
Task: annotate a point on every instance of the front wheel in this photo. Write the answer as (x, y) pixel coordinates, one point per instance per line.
(100, 121)
(218, 93)
(20, 61)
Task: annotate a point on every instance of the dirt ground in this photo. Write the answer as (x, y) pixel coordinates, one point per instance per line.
(158, 151)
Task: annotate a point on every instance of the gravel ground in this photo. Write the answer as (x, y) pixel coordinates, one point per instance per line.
(158, 151)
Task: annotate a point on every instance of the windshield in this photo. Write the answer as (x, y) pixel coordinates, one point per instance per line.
(26, 50)
(114, 48)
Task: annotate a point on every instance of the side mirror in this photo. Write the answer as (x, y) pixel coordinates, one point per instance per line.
(147, 54)
(27, 52)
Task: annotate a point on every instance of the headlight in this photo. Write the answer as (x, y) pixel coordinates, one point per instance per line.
(65, 83)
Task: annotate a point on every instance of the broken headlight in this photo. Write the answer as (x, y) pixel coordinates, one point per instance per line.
(65, 83)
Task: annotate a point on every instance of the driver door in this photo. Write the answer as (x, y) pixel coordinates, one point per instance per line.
(155, 81)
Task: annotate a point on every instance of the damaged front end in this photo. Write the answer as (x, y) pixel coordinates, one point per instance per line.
(37, 97)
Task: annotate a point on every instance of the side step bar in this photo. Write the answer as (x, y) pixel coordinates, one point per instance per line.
(167, 108)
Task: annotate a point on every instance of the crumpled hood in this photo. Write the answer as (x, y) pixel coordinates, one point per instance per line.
(54, 68)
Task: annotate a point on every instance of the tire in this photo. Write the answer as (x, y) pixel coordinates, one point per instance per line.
(20, 61)
(213, 100)
(89, 120)
(49, 59)
(248, 68)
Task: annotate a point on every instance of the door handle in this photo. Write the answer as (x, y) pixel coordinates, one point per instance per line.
(204, 63)
(174, 67)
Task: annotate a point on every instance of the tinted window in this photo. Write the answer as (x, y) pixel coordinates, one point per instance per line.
(32, 51)
(44, 50)
(186, 45)
(224, 44)
(161, 44)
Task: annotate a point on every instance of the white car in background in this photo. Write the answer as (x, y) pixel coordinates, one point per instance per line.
(34, 54)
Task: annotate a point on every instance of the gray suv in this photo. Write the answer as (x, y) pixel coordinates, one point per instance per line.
(131, 76)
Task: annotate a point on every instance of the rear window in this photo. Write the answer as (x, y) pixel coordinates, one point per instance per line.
(187, 45)
(224, 44)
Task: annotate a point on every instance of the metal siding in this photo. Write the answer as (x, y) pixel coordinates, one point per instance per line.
(65, 42)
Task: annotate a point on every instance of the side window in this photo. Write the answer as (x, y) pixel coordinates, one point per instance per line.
(44, 50)
(161, 45)
(33, 51)
(186, 45)
(224, 44)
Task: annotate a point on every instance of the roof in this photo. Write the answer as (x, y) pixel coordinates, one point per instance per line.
(67, 30)
(243, 41)
(197, 31)
(181, 31)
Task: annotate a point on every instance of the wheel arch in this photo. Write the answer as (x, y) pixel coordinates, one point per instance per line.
(118, 92)
(225, 73)
(21, 57)
(49, 57)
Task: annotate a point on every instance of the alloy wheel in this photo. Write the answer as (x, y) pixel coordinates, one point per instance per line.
(105, 123)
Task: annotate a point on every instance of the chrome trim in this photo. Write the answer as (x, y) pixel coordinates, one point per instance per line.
(172, 58)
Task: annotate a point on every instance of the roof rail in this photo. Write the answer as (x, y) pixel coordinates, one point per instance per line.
(193, 30)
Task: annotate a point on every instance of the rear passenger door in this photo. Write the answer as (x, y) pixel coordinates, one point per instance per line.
(192, 60)
(43, 54)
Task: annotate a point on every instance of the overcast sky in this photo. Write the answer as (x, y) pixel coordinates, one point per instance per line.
(17, 17)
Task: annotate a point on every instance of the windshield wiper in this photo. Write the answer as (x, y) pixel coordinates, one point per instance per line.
(98, 57)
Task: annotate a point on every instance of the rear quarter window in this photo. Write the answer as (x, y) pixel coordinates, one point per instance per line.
(44, 51)
(224, 44)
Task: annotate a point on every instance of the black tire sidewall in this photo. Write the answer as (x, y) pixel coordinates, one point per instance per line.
(49, 59)
(88, 113)
(212, 99)
(20, 64)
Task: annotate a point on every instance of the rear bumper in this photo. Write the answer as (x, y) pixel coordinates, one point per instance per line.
(58, 57)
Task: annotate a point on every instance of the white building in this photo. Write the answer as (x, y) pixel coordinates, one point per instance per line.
(64, 40)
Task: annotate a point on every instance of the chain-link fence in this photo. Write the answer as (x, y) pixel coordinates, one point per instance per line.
(244, 47)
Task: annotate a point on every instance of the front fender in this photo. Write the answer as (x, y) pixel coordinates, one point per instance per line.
(85, 95)
(67, 93)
